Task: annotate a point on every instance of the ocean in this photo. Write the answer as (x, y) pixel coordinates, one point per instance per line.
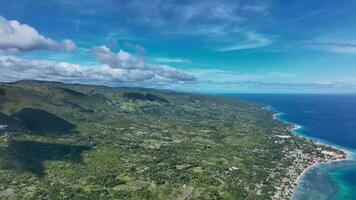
(329, 119)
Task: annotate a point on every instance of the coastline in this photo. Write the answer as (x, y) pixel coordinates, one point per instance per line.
(294, 181)
(347, 154)
(295, 127)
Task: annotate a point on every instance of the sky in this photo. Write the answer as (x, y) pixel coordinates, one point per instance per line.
(205, 46)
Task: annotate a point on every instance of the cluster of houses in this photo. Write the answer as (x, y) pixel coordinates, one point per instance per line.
(301, 161)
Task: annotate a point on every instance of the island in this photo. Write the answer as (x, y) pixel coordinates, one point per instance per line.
(72, 141)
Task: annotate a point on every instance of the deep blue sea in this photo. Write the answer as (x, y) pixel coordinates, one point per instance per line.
(330, 119)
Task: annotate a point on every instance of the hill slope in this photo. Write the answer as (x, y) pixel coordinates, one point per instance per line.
(63, 141)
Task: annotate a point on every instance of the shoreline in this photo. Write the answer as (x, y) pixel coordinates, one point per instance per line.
(347, 155)
(288, 192)
(319, 164)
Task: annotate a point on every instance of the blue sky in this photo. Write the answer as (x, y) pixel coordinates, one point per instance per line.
(223, 46)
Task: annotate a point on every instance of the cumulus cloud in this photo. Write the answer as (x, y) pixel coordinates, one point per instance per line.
(68, 45)
(14, 68)
(17, 37)
(124, 60)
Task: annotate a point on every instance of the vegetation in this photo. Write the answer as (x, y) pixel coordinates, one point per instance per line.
(91, 142)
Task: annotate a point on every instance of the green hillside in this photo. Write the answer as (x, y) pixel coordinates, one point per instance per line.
(91, 142)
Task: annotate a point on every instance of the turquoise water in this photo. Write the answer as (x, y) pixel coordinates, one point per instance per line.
(330, 119)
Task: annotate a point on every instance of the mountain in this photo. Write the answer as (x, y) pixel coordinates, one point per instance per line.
(71, 141)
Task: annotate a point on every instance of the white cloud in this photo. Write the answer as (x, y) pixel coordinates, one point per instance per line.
(17, 37)
(342, 82)
(126, 61)
(338, 47)
(68, 45)
(170, 60)
(253, 40)
(217, 76)
(225, 81)
(14, 68)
